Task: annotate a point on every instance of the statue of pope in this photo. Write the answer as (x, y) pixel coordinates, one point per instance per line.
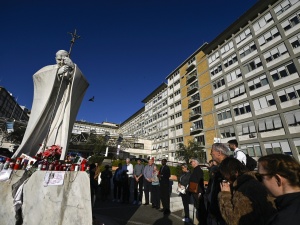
(58, 93)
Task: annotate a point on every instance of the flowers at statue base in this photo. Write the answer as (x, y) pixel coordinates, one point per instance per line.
(52, 153)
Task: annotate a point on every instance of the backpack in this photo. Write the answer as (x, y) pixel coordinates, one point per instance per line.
(251, 163)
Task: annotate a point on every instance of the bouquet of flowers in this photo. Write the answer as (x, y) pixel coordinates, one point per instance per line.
(52, 153)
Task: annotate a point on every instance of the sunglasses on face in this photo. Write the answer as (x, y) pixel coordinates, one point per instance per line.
(259, 176)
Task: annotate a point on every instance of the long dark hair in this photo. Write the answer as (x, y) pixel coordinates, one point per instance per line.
(232, 168)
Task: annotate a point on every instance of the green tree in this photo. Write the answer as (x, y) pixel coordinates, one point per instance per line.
(97, 143)
(192, 150)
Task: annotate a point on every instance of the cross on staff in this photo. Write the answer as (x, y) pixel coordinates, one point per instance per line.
(74, 37)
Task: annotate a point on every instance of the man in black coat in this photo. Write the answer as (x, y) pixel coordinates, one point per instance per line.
(198, 178)
(219, 152)
(164, 176)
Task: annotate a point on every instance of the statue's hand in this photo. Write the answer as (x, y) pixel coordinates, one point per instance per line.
(63, 71)
(68, 62)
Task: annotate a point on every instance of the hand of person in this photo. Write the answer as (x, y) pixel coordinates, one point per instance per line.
(62, 70)
(68, 62)
(225, 186)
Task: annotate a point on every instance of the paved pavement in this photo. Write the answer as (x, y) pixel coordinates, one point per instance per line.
(111, 213)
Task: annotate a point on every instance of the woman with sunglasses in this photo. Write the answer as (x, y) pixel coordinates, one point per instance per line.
(243, 199)
(281, 176)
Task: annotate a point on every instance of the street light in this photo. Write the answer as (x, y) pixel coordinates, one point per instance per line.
(107, 137)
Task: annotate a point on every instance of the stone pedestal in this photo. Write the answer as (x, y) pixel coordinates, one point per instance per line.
(7, 211)
(66, 204)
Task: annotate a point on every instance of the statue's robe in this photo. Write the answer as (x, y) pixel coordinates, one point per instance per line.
(53, 111)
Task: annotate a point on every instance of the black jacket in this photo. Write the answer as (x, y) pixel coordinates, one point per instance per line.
(165, 174)
(288, 206)
(213, 202)
(197, 176)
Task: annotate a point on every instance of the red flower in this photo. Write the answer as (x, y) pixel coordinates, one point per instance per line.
(46, 153)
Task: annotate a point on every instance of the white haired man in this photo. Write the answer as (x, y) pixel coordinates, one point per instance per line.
(219, 152)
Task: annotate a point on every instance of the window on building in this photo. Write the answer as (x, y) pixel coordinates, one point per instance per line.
(227, 132)
(221, 98)
(297, 144)
(196, 110)
(246, 128)
(237, 91)
(200, 139)
(293, 118)
(268, 36)
(177, 92)
(258, 82)
(291, 22)
(179, 139)
(198, 125)
(283, 71)
(195, 97)
(254, 64)
(295, 41)
(262, 21)
(289, 93)
(243, 35)
(224, 114)
(253, 150)
(226, 47)
(191, 61)
(217, 69)
(275, 53)
(233, 75)
(269, 124)
(171, 86)
(230, 60)
(277, 147)
(242, 109)
(284, 5)
(172, 141)
(218, 83)
(172, 117)
(178, 126)
(178, 103)
(213, 57)
(247, 49)
(171, 96)
(178, 114)
(263, 102)
(176, 82)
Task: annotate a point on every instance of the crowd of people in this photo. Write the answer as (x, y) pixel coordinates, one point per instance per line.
(150, 180)
(235, 195)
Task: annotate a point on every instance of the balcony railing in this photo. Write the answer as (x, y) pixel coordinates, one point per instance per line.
(195, 129)
(193, 101)
(191, 67)
(191, 77)
(194, 115)
(192, 88)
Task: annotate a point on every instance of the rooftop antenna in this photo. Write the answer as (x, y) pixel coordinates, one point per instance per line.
(74, 38)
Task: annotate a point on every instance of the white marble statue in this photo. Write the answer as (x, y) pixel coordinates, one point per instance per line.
(58, 92)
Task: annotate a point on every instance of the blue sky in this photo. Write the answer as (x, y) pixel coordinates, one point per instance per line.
(126, 50)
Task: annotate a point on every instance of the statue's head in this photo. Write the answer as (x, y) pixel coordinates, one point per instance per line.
(60, 55)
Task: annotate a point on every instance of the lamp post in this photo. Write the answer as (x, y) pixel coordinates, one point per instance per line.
(120, 139)
(107, 137)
